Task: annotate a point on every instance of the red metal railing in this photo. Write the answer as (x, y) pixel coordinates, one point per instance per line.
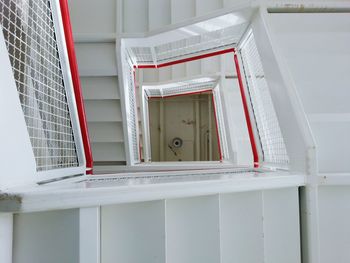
(246, 113)
(241, 87)
(76, 84)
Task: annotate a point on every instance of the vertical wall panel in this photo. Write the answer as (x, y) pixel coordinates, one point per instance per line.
(159, 13)
(334, 207)
(46, 237)
(182, 9)
(281, 225)
(193, 230)
(93, 17)
(135, 16)
(207, 6)
(241, 227)
(133, 233)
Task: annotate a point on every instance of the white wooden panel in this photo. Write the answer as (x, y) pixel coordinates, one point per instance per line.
(182, 9)
(96, 59)
(108, 151)
(316, 48)
(159, 13)
(334, 207)
(207, 6)
(241, 227)
(164, 73)
(281, 225)
(15, 143)
(133, 233)
(178, 71)
(230, 3)
(46, 237)
(103, 110)
(106, 131)
(150, 75)
(211, 65)
(6, 237)
(192, 227)
(193, 68)
(93, 17)
(333, 146)
(135, 16)
(89, 235)
(100, 88)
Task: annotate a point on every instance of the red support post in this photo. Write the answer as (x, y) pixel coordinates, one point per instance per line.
(246, 113)
(76, 85)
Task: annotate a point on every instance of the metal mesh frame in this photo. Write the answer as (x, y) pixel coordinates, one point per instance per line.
(272, 143)
(221, 123)
(207, 42)
(29, 33)
(132, 110)
(183, 87)
(188, 47)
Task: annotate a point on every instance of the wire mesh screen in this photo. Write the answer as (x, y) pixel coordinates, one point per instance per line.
(272, 143)
(206, 42)
(180, 88)
(221, 123)
(29, 33)
(132, 111)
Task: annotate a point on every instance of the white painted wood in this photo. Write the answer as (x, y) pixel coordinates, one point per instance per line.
(241, 227)
(90, 17)
(108, 151)
(334, 210)
(15, 143)
(159, 13)
(133, 233)
(103, 111)
(103, 88)
(182, 9)
(6, 233)
(311, 47)
(207, 6)
(89, 235)
(96, 59)
(135, 16)
(46, 237)
(192, 227)
(281, 226)
(289, 108)
(106, 131)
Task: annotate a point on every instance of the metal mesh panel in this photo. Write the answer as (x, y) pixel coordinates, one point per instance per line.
(30, 38)
(207, 42)
(182, 87)
(221, 123)
(273, 147)
(132, 112)
(143, 55)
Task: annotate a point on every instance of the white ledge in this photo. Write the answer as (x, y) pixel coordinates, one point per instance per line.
(112, 190)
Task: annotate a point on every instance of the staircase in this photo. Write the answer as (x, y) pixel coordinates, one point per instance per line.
(96, 25)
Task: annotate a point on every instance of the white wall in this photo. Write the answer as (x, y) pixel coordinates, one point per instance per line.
(46, 237)
(316, 48)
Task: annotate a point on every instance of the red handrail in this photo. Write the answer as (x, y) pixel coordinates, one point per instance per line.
(246, 113)
(241, 87)
(76, 84)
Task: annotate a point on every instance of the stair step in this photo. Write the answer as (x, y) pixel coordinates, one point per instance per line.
(108, 151)
(103, 110)
(106, 131)
(100, 88)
